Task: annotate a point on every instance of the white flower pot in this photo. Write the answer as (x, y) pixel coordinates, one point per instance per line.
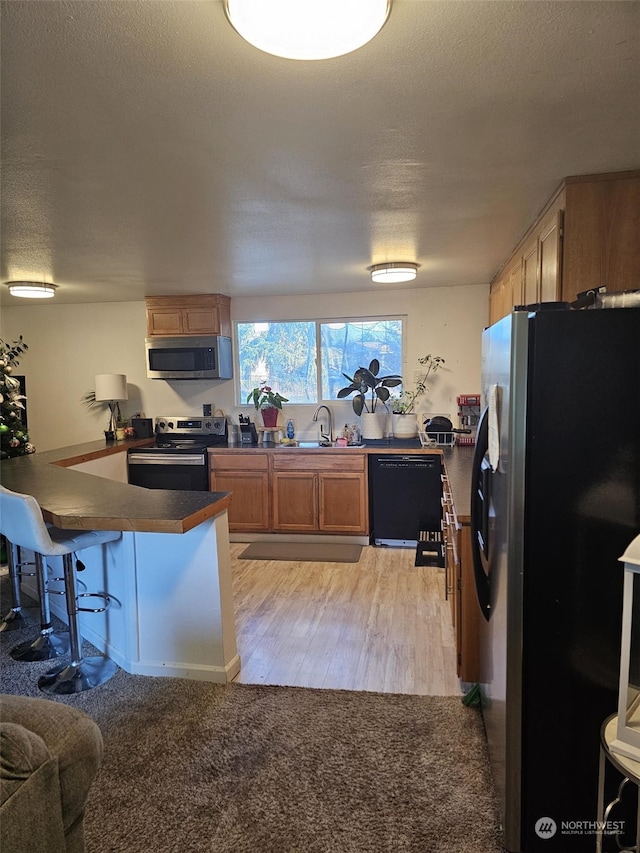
(404, 426)
(373, 424)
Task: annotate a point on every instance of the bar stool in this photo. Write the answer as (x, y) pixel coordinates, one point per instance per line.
(16, 618)
(22, 520)
(47, 645)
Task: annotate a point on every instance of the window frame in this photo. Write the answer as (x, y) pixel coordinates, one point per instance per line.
(319, 322)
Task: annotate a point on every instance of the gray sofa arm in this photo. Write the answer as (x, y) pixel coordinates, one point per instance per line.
(49, 756)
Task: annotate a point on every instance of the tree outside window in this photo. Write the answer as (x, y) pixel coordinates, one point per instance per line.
(284, 355)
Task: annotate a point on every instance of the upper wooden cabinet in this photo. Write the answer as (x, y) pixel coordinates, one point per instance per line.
(200, 314)
(586, 236)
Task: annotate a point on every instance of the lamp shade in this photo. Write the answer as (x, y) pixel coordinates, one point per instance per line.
(111, 386)
(313, 29)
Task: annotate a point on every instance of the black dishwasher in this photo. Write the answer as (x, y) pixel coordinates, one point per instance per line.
(405, 493)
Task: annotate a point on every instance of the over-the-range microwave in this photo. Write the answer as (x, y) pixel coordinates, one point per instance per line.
(189, 357)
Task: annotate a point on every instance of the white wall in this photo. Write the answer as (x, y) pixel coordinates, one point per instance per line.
(70, 344)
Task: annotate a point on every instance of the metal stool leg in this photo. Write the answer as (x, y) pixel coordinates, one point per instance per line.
(47, 645)
(16, 618)
(79, 673)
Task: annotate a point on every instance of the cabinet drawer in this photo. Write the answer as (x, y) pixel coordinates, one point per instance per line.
(243, 460)
(321, 460)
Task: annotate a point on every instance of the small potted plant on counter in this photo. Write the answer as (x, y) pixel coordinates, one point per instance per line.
(268, 402)
(370, 389)
(403, 417)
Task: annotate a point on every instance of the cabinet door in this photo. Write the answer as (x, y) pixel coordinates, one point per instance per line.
(295, 501)
(549, 267)
(343, 504)
(164, 321)
(468, 613)
(195, 314)
(530, 273)
(249, 508)
(515, 287)
(496, 300)
(201, 321)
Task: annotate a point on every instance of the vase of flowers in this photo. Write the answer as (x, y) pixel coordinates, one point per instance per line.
(268, 402)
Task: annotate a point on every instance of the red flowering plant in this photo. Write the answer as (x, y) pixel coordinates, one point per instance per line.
(264, 397)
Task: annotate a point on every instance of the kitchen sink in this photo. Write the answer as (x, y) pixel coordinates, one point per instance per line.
(311, 445)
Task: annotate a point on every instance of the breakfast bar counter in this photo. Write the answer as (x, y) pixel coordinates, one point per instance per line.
(168, 576)
(72, 499)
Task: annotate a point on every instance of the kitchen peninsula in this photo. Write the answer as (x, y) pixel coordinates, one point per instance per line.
(169, 576)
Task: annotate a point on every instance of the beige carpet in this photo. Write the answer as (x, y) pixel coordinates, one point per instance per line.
(192, 767)
(320, 552)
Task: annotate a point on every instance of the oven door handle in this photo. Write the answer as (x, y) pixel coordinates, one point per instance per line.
(167, 459)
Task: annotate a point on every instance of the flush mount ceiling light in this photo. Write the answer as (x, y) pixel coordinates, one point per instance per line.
(392, 273)
(32, 289)
(307, 29)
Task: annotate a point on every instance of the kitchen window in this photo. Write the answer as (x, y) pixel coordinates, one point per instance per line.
(285, 354)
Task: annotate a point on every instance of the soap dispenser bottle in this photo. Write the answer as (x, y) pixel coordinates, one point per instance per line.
(290, 430)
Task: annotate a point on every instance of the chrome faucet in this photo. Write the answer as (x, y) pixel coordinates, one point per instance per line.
(323, 435)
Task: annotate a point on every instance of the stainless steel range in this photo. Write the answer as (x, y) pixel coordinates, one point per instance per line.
(178, 459)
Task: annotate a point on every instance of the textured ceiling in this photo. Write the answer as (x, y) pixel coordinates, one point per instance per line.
(147, 149)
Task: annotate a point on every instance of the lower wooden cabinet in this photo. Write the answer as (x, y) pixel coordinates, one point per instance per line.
(467, 615)
(246, 475)
(461, 588)
(321, 492)
(342, 502)
(295, 501)
(290, 491)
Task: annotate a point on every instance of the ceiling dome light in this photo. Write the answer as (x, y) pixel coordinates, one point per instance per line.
(32, 289)
(393, 273)
(307, 29)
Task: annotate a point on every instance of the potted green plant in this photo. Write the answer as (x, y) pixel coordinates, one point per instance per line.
(370, 390)
(404, 404)
(115, 416)
(268, 402)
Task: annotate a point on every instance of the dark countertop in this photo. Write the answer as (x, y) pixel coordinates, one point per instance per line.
(80, 501)
(458, 461)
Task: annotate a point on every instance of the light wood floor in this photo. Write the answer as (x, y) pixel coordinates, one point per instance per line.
(381, 624)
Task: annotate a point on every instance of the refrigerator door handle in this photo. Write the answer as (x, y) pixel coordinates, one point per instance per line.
(480, 486)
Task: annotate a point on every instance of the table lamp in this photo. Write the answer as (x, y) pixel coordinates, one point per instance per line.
(110, 389)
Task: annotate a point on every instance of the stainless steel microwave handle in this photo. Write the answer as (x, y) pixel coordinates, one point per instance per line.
(167, 459)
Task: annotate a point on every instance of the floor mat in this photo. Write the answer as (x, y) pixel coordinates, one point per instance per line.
(300, 551)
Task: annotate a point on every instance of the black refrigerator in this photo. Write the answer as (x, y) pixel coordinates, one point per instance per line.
(555, 502)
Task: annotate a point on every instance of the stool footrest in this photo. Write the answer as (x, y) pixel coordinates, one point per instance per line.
(102, 595)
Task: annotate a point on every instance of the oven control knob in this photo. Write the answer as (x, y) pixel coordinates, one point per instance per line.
(207, 425)
(161, 425)
(170, 424)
